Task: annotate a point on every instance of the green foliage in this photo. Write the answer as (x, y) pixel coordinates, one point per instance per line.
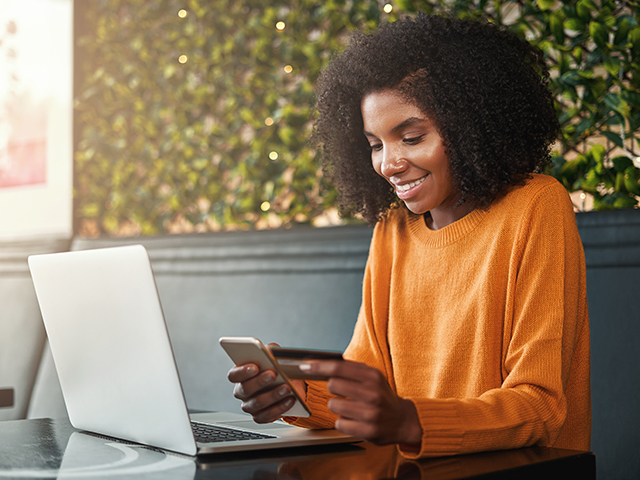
(165, 145)
(593, 51)
(220, 141)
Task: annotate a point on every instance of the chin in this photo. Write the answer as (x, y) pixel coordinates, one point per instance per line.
(416, 210)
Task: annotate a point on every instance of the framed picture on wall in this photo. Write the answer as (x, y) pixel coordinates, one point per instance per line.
(36, 118)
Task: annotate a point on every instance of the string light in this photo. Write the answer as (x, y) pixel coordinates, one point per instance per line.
(280, 26)
(182, 59)
(265, 206)
(268, 121)
(273, 156)
(387, 8)
(288, 69)
(182, 13)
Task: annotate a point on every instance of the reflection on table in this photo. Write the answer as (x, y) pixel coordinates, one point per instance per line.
(46, 448)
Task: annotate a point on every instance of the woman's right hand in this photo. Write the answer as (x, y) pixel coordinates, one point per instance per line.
(260, 398)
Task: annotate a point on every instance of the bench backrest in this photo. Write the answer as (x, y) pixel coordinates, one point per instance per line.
(302, 287)
(299, 287)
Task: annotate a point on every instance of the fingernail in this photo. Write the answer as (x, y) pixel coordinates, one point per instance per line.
(288, 402)
(305, 367)
(283, 391)
(268, 377)
(251, 369)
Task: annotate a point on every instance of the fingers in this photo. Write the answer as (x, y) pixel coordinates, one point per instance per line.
(247, 388)
(274, 412)
(270, 405)
(358, 429)
(366, 405)
(393, 420)
(360, 411)
(262, 399)
(242, 373)
(338, 368)
(349, 379)
(364, 391)
(360, 420)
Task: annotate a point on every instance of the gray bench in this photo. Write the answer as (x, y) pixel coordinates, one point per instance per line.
(22, 336)
(302, 287)
(612, 248)
(299, 287)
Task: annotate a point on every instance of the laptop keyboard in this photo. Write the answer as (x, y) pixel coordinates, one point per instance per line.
(206, 433)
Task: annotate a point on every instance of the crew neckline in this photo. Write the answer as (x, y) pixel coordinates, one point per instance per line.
(445, 235)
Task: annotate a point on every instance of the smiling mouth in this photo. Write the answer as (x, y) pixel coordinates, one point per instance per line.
(408, 186)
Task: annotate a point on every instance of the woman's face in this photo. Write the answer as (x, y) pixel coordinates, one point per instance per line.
(408, 151)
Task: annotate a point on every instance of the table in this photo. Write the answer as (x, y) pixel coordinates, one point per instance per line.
(46, 448)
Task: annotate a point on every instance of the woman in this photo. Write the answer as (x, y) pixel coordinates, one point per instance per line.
(473, 333)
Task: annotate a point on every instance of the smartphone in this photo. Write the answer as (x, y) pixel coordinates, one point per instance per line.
(289, 360)
(244, 350)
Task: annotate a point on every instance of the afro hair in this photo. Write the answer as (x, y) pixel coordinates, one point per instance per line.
(486, 89)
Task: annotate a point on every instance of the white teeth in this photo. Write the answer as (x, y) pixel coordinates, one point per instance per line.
(404, 188)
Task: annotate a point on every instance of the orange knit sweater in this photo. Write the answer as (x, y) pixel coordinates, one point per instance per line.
(483, 324)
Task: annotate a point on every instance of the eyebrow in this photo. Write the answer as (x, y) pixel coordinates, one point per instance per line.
(408, 122)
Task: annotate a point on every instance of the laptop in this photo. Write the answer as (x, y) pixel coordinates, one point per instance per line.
(118, 374)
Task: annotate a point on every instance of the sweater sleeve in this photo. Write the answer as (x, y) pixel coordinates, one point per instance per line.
(368, 343)
(545, 320)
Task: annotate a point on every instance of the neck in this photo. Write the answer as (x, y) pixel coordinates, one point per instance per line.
(437, 219)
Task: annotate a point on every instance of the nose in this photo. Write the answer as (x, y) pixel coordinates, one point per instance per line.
(392, 163)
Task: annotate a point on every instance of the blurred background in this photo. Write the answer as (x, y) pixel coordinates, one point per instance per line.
(177, 123)
(180, 116)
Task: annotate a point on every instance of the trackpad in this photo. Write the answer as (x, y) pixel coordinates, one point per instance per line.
(251, 425)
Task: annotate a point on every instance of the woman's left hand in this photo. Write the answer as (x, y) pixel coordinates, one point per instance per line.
(366, 405)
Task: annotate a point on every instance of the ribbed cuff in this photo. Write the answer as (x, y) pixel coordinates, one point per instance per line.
(317, 399)
(442, 431)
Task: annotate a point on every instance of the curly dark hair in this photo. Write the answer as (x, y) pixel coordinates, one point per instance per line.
(486, 89)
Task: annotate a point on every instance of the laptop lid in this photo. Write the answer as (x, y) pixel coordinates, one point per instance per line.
(111, 347)
(112, 352)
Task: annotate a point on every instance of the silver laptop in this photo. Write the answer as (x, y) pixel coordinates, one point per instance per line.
(117, 371)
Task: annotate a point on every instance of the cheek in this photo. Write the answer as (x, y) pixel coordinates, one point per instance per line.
(441, 163)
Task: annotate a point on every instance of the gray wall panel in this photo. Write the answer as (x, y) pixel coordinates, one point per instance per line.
(612, 249)
(299, 287)
(302, 287)
(22, 335)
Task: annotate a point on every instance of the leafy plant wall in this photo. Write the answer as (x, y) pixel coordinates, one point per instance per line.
(194, 115)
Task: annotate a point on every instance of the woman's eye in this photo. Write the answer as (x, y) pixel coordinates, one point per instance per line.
(413, 140)
(376, 147)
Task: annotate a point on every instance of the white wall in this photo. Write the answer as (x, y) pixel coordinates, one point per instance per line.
(43, 42)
